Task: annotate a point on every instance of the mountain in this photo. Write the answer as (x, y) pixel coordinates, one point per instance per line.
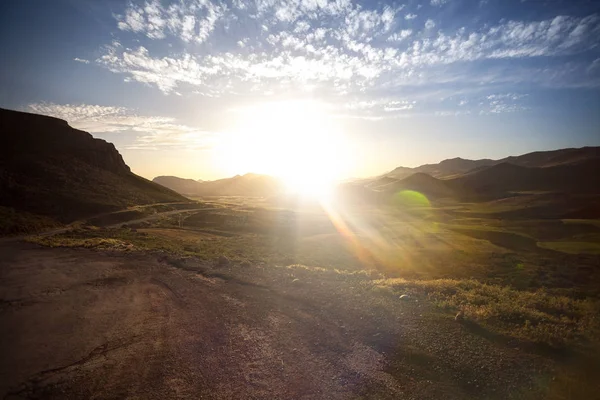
(420, 182)
(381, 182)
(554, 157)
(50, 169)
(455, 167)
(444, 169)
(565, 183)
(180, 185)
(503, 180)
(254, 185)
(573, 177)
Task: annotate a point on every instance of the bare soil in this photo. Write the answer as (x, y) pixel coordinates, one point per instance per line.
(78, 323)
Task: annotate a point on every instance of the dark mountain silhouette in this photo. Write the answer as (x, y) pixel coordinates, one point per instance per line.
(579, 177)
(255, 185)
(555, 157)
(51, 169)
(455, 167)
(502, 180)
(561, 184)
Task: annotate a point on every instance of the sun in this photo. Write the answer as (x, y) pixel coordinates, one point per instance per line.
(296, 141)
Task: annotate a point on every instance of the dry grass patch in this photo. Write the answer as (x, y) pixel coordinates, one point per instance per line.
(17, 222)
(537, 316)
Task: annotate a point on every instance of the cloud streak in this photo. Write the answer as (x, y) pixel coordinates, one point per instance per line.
(151, 132)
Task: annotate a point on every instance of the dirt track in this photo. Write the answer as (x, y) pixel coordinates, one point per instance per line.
(91, 324)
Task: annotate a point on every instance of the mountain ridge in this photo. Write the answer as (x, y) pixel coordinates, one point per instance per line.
(455, 166)
(250, 184)
(50, 169)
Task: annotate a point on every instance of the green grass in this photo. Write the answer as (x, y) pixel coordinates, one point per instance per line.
(537, 316)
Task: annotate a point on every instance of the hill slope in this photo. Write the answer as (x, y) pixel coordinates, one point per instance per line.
(179, 185)
(422, 183)
(50, 169)
(565, 185)
(575, 178)
(455, 167)
(239, 185)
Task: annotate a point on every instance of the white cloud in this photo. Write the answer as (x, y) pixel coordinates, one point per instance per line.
(513, 39)
(190, 21)
(333, 45)
(506, 96)
(400, 36)
(377, 109)
(594, 66)
(454, 113)
(503, 103)
(81, 60)
(152, 132)
(439, 2)
(91, 118)
(398, 106)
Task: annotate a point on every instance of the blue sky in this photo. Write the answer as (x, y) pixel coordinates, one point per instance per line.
(407, 83)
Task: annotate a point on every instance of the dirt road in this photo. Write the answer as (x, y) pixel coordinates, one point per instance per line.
(158, 216)
(104, 325)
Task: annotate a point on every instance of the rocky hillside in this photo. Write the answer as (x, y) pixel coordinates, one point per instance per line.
(49, 169)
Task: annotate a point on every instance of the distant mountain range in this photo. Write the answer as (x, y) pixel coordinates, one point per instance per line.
(240, 185)
(455, 167)
(50, 169)
(571, 171)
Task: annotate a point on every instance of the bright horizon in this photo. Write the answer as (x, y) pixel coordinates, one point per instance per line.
(311, 91)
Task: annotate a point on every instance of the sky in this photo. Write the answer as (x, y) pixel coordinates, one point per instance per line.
(397, 83)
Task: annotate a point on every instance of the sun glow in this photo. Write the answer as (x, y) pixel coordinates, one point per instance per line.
(295, 141)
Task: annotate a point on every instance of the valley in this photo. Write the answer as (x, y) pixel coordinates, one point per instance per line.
(264, 295)
(452, 284)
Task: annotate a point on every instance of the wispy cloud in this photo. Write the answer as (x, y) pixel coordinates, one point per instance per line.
(81, 60)
(190, 21)
(400, 36)
(151, 132)
(504, 103)
(341, 46)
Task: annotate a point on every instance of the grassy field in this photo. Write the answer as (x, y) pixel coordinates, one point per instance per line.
(536, 280)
